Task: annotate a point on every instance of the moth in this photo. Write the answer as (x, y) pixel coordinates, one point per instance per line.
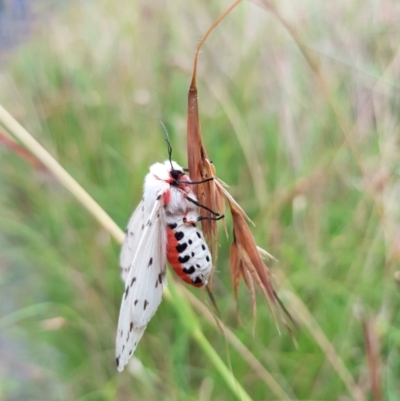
(163, 227)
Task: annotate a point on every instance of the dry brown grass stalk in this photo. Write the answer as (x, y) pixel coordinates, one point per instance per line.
(245, 259)
(372, 349)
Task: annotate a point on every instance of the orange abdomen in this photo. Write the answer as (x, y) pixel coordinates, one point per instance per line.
(180, 262)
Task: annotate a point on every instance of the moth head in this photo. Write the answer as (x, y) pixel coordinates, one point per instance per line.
(168, 171)
(176, 172)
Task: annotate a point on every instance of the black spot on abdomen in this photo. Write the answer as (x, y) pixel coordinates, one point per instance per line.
(190, 270)
(184, 259)
(179, 235)
(181, 247)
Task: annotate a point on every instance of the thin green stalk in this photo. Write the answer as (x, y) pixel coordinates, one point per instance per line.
(245, 353)
(189, 320)
(225, 373)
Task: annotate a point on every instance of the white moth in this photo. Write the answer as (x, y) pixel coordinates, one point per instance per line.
(163, 226)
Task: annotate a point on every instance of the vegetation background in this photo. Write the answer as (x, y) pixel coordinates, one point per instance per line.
(310, 147)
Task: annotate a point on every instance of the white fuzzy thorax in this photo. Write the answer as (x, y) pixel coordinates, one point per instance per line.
(157, 180)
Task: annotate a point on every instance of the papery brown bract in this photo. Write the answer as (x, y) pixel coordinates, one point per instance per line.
(200, 168)
(249, 260)
(245, 260)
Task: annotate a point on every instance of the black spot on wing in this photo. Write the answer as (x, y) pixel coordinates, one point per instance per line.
(117, 361)
(126, 291)
(133, 280)
(179, 235)
(207, 258)
(142, 226)
(148, 223)
(190, 242)
(136, 301)
(150, 261)
(146, 302)
(193, 254)
(189, 270)
(131, 326)
(130, 352)
(181, 247)
(158, 197)
(197, 280)
(203, 247)
(198, 234)
(183, 259)
(172, 226)
(160, 278)
(198, 266)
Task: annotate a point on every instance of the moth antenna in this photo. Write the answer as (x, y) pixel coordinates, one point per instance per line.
(168, 142)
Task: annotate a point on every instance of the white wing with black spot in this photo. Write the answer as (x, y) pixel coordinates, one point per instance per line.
(132, 237)
(144, 282)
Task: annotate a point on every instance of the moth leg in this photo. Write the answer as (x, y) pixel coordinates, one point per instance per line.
(195, 182)
(202, 206)
(200, 218)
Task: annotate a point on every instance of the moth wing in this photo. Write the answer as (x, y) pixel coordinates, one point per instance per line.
(143, 286)
(132, 238)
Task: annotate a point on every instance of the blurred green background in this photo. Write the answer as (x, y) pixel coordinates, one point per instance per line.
(312, 154)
